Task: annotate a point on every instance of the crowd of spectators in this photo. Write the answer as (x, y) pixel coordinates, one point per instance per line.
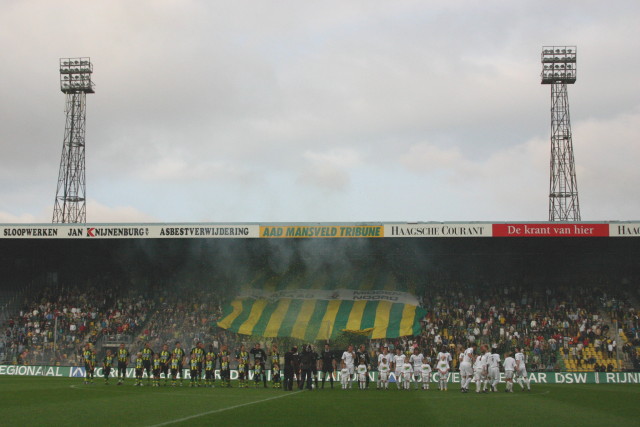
(629, 323)
(553, 324)
(188, 315)
(52, 325)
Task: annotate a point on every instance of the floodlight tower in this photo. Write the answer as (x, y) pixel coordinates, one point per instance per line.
(558, 70)
(75, 83)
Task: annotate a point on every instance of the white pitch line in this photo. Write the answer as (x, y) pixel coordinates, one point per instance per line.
(83, 388)
(190, 417)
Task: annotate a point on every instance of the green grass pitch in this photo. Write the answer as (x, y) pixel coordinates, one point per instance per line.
(67, 401)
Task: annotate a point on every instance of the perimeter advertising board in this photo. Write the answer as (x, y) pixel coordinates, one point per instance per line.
(535, 377)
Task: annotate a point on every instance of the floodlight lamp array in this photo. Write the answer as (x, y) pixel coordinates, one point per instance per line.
(558, 64)
(75, 75)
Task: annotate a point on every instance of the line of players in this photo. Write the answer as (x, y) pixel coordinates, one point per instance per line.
(171, 364)
(300, 367)
(406, 370)
(483, 369)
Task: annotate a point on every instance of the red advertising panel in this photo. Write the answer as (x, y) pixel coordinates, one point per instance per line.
(551, 230)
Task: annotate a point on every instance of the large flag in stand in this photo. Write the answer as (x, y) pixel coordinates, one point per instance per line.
(322, 314)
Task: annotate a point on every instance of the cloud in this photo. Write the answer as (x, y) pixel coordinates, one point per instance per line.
(329, 170)
(242, 110)
(514, 181)
(25, 218)
(96, 213)
(606, 155)
(425, 157)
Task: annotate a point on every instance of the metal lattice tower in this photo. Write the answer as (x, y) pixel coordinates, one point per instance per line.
(75, 83)
(558, 70)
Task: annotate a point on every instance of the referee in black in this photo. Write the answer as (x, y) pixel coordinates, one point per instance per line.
(289, 357)
(328, 364)
(308, 364)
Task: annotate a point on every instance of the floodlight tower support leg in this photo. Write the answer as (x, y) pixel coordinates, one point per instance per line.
(70, 202)
(563, 187)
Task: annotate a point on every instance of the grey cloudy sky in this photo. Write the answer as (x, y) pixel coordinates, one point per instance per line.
(319, 110)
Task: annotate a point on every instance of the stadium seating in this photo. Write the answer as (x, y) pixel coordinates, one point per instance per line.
(560, 328)
(67, 319)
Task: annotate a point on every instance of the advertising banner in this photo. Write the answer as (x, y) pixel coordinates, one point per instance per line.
(630, 229)
(332, 294)
(437, 230)
(317, 231)
(535, 377)
(550, 230)
(321, 231)
(152, 231)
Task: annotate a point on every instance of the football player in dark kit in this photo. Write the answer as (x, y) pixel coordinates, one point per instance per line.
(211, 354)
(225, 371)
(259, 358)
(123, 360)
(209, 370)
(224, 351)
(139, 367)
(308, 360)
(362, 353)
(275, 356)
(289, 367)
(89, 365)
(165, 356)
(328, 364)
(156, 365)
(147, 355)
(242, 357)
(198, 350)
(174, 363)
(107, 364)
(178, 353)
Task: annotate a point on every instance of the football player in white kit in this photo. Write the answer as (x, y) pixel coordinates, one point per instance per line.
(426, 375)
(466, 368)
(481, 375)
(478, 369)
(349, 357)
(407, 374)
(509, 366)
(362, 374)
(384, 355)
(444, 352)
(443, 373)
(416, 360)
(383, 372)
(521, 369)
(494, 370)
(344, 376)
(398, 363)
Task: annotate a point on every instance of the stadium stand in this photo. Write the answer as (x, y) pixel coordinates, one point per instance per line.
(561, 328)
(186, 316)
(543, 321)
(52, 325)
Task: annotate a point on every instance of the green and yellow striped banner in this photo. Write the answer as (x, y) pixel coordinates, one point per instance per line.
(312, 320)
